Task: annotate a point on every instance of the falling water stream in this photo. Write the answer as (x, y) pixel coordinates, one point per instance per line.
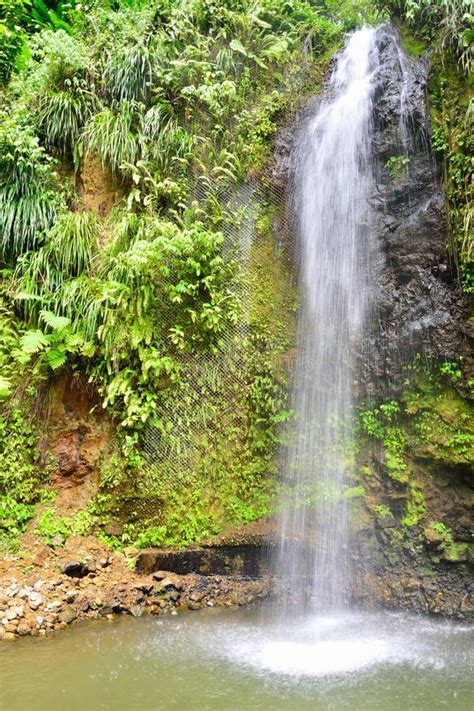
(333, 179)
(320, 655)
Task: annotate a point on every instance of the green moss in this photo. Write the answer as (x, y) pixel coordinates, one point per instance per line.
(416, 506)
(450, 93)
(441, 425)
(382, 511)
(413, 45)
(455, 552)
(353, 492)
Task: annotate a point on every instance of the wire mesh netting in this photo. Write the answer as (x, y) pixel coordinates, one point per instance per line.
(212, 392)
(185, 441)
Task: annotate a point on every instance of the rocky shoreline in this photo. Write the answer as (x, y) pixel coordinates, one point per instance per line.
(86, 581)
(51, 587)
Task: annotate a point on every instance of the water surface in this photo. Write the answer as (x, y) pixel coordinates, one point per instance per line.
(238, 659)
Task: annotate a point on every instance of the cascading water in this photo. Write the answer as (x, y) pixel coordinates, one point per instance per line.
(332, 183)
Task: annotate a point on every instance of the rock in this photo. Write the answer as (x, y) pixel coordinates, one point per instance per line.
(166, 586)
(104, 562)
(14, 612)
(388, 521)
(67, 615)
(53, 606)
(114, 528)
(136, 610)
(105, 611)
(91, 564)
(23, 629)
(193, 605)
(76, 569)
(57, 541)
(160, 575)
(9, 636)
(35, 600)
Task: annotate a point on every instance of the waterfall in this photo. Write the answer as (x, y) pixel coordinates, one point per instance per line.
(331, 187)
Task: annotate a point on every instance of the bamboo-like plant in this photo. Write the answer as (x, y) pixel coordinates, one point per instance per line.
(63, 114)
(128, 73)
(115, 135)
(68, 252)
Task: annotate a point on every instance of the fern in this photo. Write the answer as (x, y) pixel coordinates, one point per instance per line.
(54, 322)
(34, 341)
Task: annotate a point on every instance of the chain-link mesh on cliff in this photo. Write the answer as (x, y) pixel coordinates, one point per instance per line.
(210, 403)
(187, 438)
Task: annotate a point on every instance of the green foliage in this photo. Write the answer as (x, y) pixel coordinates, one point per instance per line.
(267, 400)
(59, 529)
(114, 134)
(57, 58)
(452, 370)
(14, 517)
(63, 114)
(397, 166)
(11, 42)
(20, 477)
(448, 22)
(381, 424)
(452, 140)
(416, 506)
(179, 102)
(28, 201)
(128, 73)
(382, 511)
(51, 346)
(441, 420)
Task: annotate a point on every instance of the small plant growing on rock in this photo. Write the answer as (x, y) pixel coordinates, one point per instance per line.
(397, 165)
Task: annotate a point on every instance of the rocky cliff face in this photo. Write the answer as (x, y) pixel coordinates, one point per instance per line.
(412, 515)
(419, 304)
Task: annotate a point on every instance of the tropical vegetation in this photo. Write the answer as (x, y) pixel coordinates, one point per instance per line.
(166, 107)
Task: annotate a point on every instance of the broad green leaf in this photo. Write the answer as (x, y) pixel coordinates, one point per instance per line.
(237, 46)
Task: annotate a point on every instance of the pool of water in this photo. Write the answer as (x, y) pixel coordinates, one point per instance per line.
(240, 659)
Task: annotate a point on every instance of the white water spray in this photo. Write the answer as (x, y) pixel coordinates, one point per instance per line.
(333, 180)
